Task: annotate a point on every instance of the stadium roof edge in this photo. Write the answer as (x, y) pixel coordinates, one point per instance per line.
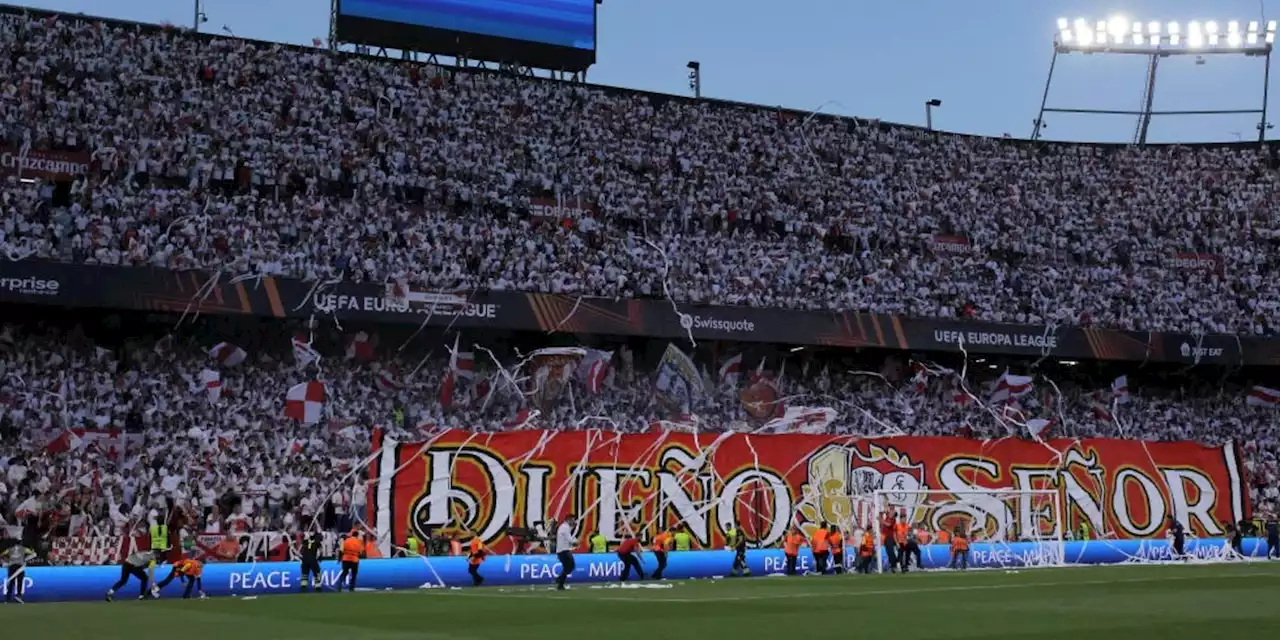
(14, 10)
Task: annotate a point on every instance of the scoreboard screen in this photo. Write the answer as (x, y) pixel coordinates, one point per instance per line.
(555, 34)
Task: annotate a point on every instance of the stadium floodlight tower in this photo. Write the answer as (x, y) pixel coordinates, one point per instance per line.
(1157, 40)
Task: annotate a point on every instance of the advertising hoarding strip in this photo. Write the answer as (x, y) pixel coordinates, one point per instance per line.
(68, 584)
(147, 289)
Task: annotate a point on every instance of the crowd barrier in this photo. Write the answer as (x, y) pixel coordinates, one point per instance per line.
(64, 584)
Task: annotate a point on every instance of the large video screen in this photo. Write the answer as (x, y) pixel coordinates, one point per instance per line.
(558, 34)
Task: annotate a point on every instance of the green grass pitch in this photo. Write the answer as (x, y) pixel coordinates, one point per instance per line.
(1131, 602)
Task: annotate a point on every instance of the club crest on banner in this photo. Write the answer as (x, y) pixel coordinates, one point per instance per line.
(842, 478)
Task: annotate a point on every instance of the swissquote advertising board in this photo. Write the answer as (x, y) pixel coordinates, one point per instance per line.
(139, 288)
(488, 483)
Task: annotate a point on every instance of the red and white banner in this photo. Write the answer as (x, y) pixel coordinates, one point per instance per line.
(1009, 387)
(801, 420)
(1263, 397)
(594, 369)
(489, 482)
(110, 442)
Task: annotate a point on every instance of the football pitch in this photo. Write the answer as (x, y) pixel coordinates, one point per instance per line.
(1200, 601)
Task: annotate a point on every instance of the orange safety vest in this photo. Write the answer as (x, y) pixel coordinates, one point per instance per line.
(662, 541)
(478, 552)
(190, 568)
(900, 533)
(868, 545)
(820, 540)
(959, 543)
(836, 541)
(371, 551)
(943, 537)
(792, 545)
(351, 550)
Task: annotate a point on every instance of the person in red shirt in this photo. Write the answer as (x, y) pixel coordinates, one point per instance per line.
(630, 552)
(888, 537)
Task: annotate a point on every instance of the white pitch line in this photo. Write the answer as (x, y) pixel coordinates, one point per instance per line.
(878, 592)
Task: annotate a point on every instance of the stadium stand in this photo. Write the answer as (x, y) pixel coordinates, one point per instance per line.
(219, 153)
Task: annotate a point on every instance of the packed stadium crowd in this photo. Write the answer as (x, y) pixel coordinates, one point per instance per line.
(95, 439)
(253, 158)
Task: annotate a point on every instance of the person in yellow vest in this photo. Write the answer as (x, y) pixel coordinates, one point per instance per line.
(959, 549)
(476, 553)
(661, 545)
(683, 539)
(836, 541)
(413, 547)
(821, 547)
(160, 544)
(599, 543)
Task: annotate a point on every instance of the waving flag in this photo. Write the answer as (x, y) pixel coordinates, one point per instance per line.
(678, 380)
(731, 371)
(802, 420)
(1009, 387)
(227, 354)
(303, 354)
(553, 367)
(211, 384)
(1120, 389)
(305, 402)
(1263, 397)
(360, 347)
(389, 379)
(462, 363)
(594, 368)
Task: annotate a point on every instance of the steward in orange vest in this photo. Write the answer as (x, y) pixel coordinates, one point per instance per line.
(476, 554)
(821, 547)
(866, 552)
(661, 545)
(836, 540)
(352, 551)
(959, 549)
(791, 549)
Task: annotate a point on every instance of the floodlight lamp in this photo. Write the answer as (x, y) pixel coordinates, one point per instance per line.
(1139, 40)
(1233, 27)
(1062, 24)
(1271, 26)
(1174, 28)
(1252, 38)
(1153, 28)
(1271, 37)
(1213, 40)
(1253, 26)
(1211, 27)
(1085, 38)
(1066, 36)
(1175, 39)
(1193, 27)
(1118, 26)
(1233, 39)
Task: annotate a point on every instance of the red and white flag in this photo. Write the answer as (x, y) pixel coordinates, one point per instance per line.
(801, 420)
(1263, 397)
(1120, 389)
(1009, 387)
(305, 402)
(731, 371)
(227, 354)
(461, 363)
(594, 369)
(211, 384)
(446, 390)
(1101, 410)
(303, 354)
(389, 379)
(360, 347)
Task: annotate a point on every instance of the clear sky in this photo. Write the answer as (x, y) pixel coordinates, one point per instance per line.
(986, 59)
